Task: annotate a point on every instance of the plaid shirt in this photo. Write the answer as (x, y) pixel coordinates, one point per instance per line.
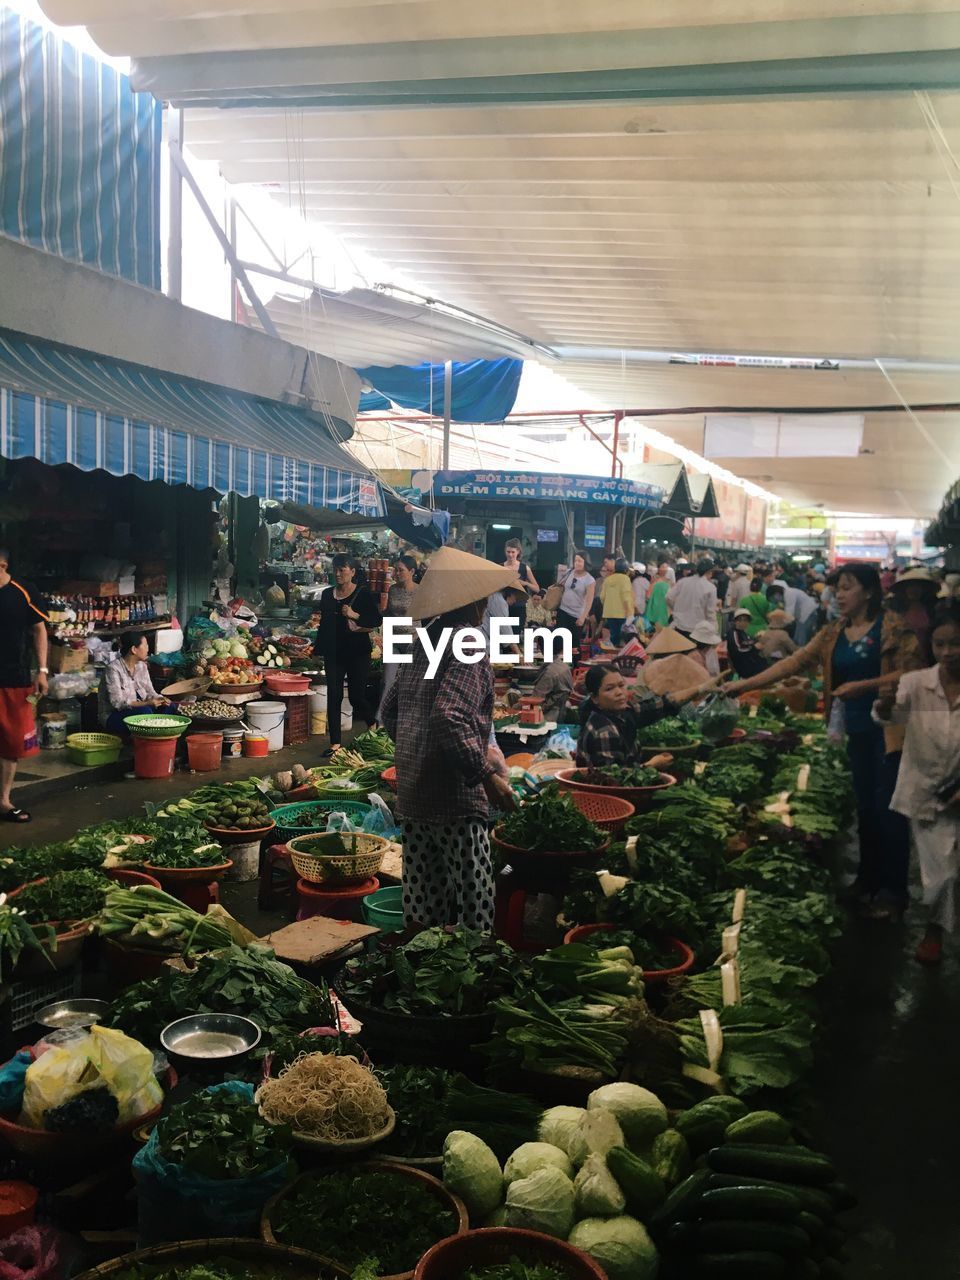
(441, 728)
(609, 737)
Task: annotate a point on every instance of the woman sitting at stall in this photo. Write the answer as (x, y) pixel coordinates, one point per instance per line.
(610, 721)
(126, 688)
(745, 658)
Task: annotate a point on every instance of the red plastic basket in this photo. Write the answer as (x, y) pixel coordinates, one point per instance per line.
(652, 977)
(638, 797)
(607, 811)
(454, 1257)
(296, 726)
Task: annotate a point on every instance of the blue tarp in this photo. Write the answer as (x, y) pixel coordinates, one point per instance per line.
(482, 390)
(62, 406)
(80, 171)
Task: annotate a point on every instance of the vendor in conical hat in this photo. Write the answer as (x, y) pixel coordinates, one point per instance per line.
(669, 641)
(440, 720)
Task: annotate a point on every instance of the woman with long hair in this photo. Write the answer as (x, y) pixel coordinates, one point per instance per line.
(865, 646)
(126, 688)
(579, 587)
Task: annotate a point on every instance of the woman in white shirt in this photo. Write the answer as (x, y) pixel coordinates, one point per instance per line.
(579, 588)
(125, 687)
(928, 784)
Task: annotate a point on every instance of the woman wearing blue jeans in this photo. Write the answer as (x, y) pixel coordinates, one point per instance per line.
(864, 647)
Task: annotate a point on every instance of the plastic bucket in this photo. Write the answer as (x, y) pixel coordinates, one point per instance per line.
(232, 744)
(384, 909)
(342, 904)
(318, 710)
(255, 744)
(267, 718)
(204, 751)
(153, 757)
(18, 1203)
(246, 861)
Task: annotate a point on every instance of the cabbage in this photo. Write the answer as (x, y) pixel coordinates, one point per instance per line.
(641, 1113)
(620, 1246)
(599, 1132)
(559, 1126)
(543, 1202)
(598, 1193)
(533, 1156)
(472, 1172)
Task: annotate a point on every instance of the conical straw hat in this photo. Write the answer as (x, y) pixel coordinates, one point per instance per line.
(456, 578)
(669, 641)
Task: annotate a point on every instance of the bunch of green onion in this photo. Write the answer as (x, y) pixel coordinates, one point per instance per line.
(154, 917)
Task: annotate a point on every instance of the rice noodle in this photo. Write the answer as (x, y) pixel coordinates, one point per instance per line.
(326, 1097)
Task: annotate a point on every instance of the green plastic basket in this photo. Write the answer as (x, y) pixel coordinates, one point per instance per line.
(284, 815)
(93, 748)
(146, 726)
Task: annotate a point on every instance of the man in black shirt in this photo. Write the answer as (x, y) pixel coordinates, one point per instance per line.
(23, 635)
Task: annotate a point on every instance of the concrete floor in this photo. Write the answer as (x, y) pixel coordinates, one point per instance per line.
(882, 1098)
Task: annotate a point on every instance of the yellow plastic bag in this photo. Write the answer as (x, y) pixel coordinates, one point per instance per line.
(101, 1057)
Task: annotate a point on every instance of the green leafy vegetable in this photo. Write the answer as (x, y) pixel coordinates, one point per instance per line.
(65, 896)
(220, 1134)
(550, 822)
(515, 1269)
(617, 775)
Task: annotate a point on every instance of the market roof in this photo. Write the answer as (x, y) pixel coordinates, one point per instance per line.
(683, 494)
(721, 175)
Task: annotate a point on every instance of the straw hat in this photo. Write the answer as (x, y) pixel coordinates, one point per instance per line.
(917, 574)
(705, 633)
(455, 579)
(669, 641)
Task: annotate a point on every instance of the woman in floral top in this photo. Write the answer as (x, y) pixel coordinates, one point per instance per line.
(865, 646)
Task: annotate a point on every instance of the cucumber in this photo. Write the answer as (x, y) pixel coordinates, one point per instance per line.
(785, 1164)
(643, 1187)
(681, 1199)
(811, 1224)
(843, 1197)
(749, 1264)
(670, 1156)
(759, 1126)
(750, 1202)
(702, 1126)
(812, 1199)
(726, 1235)
(733, 1108)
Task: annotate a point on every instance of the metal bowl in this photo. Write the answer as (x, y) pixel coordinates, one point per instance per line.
(72, 1013)
(210, 1038)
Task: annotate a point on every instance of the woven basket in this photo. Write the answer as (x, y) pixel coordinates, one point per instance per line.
(317, 867)
(273, 1259)
(288, 829)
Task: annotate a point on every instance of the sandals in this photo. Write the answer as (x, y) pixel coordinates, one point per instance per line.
(929, 952)
(14, 815)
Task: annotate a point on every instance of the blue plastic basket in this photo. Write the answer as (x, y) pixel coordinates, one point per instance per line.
(285, 814)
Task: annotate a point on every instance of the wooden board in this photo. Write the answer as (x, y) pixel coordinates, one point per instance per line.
(316, 941)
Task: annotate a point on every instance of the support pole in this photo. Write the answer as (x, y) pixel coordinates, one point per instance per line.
(571, 544)
(447, 409)
(232, 219)
(693, 536)
(615, 450)
(633, 535)
(175, 230)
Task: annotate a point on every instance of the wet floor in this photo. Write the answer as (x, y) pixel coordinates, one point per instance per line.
(884, 1092)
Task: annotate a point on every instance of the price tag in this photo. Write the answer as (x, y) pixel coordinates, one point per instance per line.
(700, 767)
(631, 852)
(713, 1035)
(739, 905)
(754, 710)
(731, 940)
(803, 777)
(730, 981)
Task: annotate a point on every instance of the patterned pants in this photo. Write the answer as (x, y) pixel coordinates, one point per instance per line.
(448, 874)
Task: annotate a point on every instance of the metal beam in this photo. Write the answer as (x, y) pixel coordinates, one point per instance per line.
(181, 166)
(447, 411)
(174, 120)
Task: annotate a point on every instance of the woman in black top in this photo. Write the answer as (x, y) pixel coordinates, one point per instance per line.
(348, 613)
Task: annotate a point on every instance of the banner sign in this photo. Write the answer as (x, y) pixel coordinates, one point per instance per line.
(504, 486)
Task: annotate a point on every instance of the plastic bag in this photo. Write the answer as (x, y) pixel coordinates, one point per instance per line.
(102, 1057)
(36, 1253)
(380, 821)
(559, 746)
(340, 821)
(176, 1205)
(12, 1077)
(717, 716)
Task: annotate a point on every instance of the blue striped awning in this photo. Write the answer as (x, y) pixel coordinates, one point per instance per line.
(64, 406)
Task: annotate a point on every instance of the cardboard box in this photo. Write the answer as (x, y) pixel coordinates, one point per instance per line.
(87, 587)
(62, 657)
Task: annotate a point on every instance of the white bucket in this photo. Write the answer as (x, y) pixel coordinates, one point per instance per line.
(267, 718)
(246, 861)
(318, 709)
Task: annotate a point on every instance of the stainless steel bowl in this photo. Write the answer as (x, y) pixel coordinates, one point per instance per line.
(72, 1013)
(210, 1038)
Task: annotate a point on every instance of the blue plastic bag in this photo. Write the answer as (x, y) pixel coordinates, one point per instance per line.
(380, 821)
(176, 1205)
(12, 1077)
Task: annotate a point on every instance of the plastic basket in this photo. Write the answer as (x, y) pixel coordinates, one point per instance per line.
(609, 813)
(285, 814)
(28, 998)
(93, 748)
(638, 797)
(146, 726)
(454, 1257)
(336, 868)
